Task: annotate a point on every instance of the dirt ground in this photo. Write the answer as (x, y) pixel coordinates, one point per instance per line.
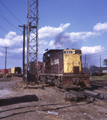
(36, 103)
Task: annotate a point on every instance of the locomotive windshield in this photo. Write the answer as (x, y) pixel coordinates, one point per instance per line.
(66, 52)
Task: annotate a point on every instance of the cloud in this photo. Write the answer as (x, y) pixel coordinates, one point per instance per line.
(42, 42)
(51, 43)
(1, 54)
(11, 39)
(10, 35)
(65, 39)
(74, 36)
(100, 27)
(92, 50)
(49, 31)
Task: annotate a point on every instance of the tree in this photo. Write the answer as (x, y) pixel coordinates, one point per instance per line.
(105, 62)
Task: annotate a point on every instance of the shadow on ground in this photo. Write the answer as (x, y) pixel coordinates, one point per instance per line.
(15, 100)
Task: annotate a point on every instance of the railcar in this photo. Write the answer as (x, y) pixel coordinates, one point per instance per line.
(63, 68)
(16, 71)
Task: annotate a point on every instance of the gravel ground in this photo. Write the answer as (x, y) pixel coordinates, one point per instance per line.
(35, 103)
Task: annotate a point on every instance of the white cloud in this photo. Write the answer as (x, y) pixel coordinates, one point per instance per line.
(74, 36)
(59, 45)
(41, 42)
(10, 35)
(51, 43)
(92, 50)
(1, 54)
(100, 27)
(11, 39)
(64, 26)
(48, 31)
(45, 43)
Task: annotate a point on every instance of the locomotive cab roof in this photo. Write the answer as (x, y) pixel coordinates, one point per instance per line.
(58, 50)
(53, 51)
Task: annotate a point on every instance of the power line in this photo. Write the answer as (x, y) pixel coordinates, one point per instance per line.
(2, 12)
(96, 54)
(10, 23)
(5, 17)
(11, 12)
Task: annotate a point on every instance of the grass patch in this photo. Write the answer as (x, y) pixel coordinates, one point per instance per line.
(103, 77)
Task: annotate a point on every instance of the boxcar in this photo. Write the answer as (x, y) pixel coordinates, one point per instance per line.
(16, 70)
(3, 71)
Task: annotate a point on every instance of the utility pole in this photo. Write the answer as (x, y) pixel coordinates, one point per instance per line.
(100, 64)
(85, 62)
(100, 61)
(32, 41)
(5, 60)
(23, 49)
(85, 58)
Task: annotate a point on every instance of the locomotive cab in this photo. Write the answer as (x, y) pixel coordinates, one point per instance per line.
(72, 61)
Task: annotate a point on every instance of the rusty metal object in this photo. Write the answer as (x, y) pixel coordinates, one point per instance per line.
(75, 79)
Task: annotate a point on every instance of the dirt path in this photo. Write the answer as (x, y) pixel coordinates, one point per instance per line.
(17, 103)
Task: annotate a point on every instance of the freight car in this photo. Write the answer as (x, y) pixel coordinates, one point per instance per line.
(5, 73)
(63, 68)
(16, 71)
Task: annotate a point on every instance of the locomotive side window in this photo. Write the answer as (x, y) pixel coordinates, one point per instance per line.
(77, 52)
(48, 55)
(70, 51)
(44, 58)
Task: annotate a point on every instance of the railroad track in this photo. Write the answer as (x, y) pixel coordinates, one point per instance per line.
(99, 86)
(99, 83)
(84, 94)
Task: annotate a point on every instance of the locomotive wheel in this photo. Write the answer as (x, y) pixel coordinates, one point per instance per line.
(44, 79)
(57, 82)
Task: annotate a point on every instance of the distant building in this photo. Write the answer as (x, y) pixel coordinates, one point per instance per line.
(97, 70)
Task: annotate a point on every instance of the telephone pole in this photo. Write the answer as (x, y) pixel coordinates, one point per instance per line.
(23, 49)
(32, 41)
(100, 61)
(85, 58)
(5, 60)
(85, 63)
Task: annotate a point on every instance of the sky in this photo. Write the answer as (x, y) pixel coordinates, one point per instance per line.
(78, 24)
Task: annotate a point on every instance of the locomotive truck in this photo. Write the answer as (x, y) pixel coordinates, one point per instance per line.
(63, 68)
